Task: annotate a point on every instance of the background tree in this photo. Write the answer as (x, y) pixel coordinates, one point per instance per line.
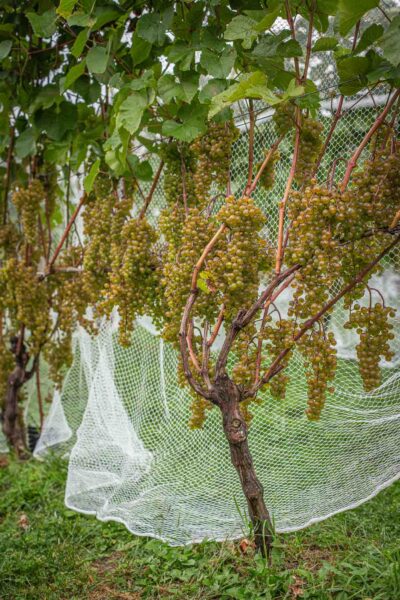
(166, 77)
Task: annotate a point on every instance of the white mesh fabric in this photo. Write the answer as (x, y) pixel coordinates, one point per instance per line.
(133, 457)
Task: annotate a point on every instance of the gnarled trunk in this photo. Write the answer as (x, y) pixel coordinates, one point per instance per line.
(12, 419)
(236, 432)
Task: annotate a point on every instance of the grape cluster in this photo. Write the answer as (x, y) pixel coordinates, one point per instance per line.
(235, 266)
(309, 148)
(314, 214)
(278, 335)
(212, 153)
(27, 202)
(178, 171)
(375, 330)
(375, 193)
(320, 362)
(267, 178)
(284, 117)
(133, 282)
(177, 273)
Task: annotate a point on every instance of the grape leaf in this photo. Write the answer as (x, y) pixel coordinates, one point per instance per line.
(91, 176)
(351, 11)
(390, 42)
(97, 59)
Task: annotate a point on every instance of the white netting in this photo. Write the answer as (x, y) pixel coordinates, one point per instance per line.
(124, 419)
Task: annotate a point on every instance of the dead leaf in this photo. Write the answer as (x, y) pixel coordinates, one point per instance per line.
(23, 522)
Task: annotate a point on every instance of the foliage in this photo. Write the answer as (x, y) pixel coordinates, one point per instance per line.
(87, 86)
(62, 554)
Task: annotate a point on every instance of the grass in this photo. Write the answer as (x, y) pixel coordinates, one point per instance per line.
(48, 552)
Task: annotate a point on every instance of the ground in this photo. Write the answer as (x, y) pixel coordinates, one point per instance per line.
(48, 552)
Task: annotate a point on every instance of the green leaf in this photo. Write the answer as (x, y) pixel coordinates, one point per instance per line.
(5, 48)
(43, 25)
(289, 49)
(310, 99)
(241, 28)
(211, 89)
(193, 123)
(25, 144)
(351, 11)
(72, 75)
(390, 42)
(218, 65)
(190, 85)
(91, 176)
(97, 59)
(152, 27)
(324, 44)
(251, 85)
(79, 43)
(268, 20)
(293, 90)
(66, 7)
(352, 72)
(180, 54)
(140, 49)
(140, 169)
(169, 88)
(202, 285)
(131, 111)
(81, 19)
(369, 37)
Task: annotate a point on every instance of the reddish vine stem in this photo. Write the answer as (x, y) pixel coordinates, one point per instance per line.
(217, 327)
(337, 116)
(275, 366)
(293, 32)
(265, 162)
(282, 205)
(66, 232)
(150, 195)
(309, 43)
(378, 122)
(251, 146)
(8, 174)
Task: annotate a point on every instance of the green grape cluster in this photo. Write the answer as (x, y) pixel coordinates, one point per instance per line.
(235, 266)
(375, 330)
(309, 149)
(319, 352)
(177, 274)
(212, 153)
(284, 117)
(278, 335)
(133, 282)
(58, 355)
(26, 302)
(9, 240)
(267, 178)
(314, 214)
(178, 173)
(171, 223)
(375, 193)
(27, 202)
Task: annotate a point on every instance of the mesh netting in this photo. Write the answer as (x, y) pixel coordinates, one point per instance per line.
(123, 418)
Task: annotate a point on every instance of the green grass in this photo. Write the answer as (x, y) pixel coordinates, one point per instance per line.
(48, 552)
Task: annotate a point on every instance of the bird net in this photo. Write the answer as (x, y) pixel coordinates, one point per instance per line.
(123, 419)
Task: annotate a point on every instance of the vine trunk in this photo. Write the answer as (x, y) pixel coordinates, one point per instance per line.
(236, 432)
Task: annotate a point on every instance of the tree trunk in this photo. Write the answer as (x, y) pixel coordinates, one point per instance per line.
(235, 429)
(12, 420)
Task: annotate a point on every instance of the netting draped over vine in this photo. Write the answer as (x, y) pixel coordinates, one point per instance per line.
(123, 417)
